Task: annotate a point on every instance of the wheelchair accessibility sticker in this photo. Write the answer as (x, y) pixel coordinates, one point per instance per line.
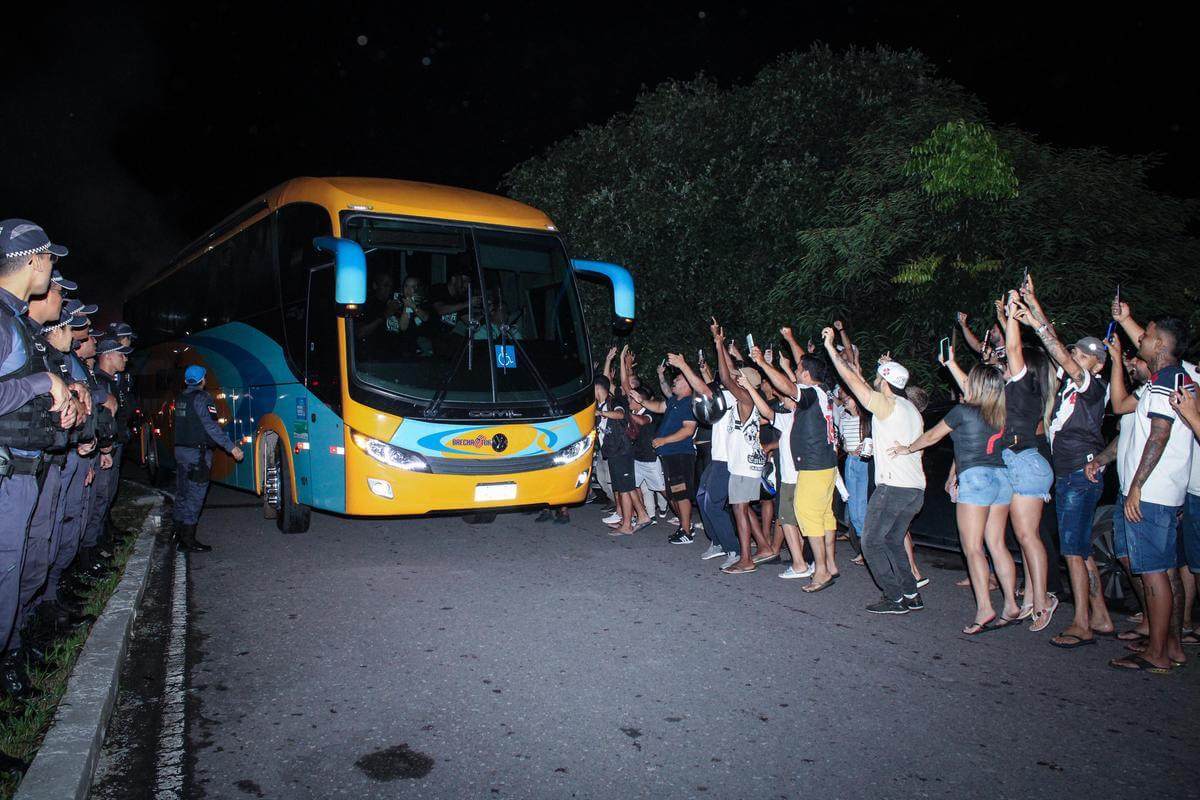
(506, 356)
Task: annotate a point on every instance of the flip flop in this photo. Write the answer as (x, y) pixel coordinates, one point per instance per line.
(1026, 612)
(765, 558)
(1001, 623)
(1138, 664)
(643, 524)
(979, 627)
(817, 587)
(1195, 639)
(1079, 641)
(1043, 622)
(736, 570)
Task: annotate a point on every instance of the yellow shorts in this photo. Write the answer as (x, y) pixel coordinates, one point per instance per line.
(813, 501)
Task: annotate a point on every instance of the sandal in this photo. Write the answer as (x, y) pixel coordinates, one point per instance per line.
(1193, 635)
(1026, 612)
(816, 587)
(1002, 623)
(976, 628)
(1041, 620)
(1075, 641)
(1138, 664)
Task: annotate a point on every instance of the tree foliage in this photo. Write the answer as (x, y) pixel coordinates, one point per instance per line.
(857, 185)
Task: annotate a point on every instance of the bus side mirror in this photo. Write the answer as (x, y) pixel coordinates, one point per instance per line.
(350, 265)
(622, 288)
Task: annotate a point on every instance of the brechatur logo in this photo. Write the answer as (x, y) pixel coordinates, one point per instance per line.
(499, 442)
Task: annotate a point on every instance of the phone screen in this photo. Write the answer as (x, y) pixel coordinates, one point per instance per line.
(1183, 383)
(700, 355)
(749, 341)
(944, 348)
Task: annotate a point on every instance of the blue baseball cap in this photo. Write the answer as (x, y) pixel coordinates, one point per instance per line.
(119, 329)
(77, 308)
(20, 237)
(64, 319)
(194, 374)
(58, 280)
(111, 345)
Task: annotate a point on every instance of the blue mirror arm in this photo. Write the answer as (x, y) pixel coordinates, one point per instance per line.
(350, 264)
(621, 280)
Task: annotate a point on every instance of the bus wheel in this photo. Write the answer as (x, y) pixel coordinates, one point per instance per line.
(480, 518)
(290, 516)
(153, 469)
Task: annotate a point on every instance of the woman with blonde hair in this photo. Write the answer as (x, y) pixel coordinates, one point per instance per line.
(984, 491)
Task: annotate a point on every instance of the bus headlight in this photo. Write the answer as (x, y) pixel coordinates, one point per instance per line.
(389, 455)
(574, 452)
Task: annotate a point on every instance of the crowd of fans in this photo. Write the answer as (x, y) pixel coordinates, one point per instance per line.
(763, 450)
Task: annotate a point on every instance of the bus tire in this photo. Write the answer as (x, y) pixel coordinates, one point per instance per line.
(290, 516)
(153, 466)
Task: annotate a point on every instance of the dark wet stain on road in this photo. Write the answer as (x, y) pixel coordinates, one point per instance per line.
(250, 787)
(395, 762)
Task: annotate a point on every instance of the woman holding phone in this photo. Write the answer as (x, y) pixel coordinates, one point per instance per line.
(984, 491)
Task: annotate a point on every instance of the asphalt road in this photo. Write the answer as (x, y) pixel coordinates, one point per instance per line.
(438, 659)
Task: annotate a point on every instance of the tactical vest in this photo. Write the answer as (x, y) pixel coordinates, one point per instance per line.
(106, 426)
(87, 431)
(115, 387)
(30, 427)
(189, 428)
(56, 364)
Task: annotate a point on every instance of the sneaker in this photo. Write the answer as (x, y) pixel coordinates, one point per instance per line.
(662, 514)
(682, 537)
(730, 560)
(921, 584)
(886, 606)
(611, 518)
(790, 573)
(913, 602)
(713, 551)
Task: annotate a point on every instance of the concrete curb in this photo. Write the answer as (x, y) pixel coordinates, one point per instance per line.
(66, 761)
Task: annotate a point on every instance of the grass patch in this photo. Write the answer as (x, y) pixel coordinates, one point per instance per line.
(23, 724)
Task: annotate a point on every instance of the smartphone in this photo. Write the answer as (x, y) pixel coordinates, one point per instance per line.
(1024, 277)
(944, 348)
(700, 355)
(1118, 292)
(662, 364)
(1183, 383)
(769, 356)
(1112, 326)
(749, 342)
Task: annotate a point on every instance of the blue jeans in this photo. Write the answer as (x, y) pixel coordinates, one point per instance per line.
(857, 478)
(1029, 473)
(711, 498)
(1153, 542)
(1075, 501)
(1120, 537)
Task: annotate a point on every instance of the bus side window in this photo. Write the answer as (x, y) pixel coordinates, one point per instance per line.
(296, 226)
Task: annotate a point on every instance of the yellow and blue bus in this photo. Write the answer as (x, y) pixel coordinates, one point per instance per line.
(381, 348)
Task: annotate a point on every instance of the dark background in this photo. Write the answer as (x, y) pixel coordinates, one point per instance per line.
(128, 132)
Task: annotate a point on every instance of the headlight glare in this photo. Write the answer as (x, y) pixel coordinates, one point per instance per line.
(574, 451)
(389, 455)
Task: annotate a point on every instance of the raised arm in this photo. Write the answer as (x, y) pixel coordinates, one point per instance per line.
(1123, 402)
(764, 410)
(851, 379)
(1012, 334)
(657, 406)
(784, 385)
(725, 367)
(969, 337)
(1033, 316)
(608, 363)
(662, 379)
(797, 351)
(956, 371)
(1121, 313)
(677, 361)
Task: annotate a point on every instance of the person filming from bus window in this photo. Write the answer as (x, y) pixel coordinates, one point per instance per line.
(411, 320)
(379, 314)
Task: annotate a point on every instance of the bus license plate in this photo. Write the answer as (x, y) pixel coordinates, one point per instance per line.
(495, 492)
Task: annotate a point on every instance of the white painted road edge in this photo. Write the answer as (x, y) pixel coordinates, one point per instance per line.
(66, 761)
(168, 773)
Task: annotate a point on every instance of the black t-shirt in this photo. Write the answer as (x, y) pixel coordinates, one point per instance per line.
(1074, 431)
(642, 449)
(614, 442)
(1024, 401)
(813, 439)
(976, 444)
(374, 312)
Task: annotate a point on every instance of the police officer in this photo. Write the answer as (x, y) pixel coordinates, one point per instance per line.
(110, 362)
(28, 396)
(196, 432)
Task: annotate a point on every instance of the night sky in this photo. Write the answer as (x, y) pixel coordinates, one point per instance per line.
(127, 132)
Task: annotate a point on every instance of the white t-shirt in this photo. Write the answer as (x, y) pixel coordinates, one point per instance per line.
(902, 425)
(1194, 479)
(720, 429)
(783, 424)
(1125, 439)
(1168, 482)
(746, 457)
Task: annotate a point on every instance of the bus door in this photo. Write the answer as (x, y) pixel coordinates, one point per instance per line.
(325, 476)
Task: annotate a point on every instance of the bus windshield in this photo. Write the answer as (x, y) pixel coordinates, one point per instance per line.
(462, 314)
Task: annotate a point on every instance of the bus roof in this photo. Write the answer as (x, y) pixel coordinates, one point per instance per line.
(378, 195)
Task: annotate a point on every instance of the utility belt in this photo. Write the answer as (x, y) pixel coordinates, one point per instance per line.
(201, 471)
(12, 465)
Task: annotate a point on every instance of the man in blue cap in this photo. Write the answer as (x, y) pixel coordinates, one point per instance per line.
(196, 431)
(29, 395)
(110, 362)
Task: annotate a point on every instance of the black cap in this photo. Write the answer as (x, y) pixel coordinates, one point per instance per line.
(111, 345)
(20, 237)
(57, 279)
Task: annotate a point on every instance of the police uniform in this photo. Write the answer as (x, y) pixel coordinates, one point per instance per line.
(26, 429)
(196, 433)
(104, 485)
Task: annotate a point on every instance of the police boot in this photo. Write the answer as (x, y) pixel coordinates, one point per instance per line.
(188, 543)
(14, 681)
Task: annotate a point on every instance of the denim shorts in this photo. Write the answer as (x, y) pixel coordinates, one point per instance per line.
(1120, 537)
(984, 486)
(1075, 500)
(1153, 542)
(1029, 473)
(1191, 532)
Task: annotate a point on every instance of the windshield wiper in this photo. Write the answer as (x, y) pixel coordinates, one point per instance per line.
(435, 405)
(533, 370)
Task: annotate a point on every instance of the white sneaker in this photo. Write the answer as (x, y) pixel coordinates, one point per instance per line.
(790, 573)
(713, 551)
(730, 560)
(611, 518)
